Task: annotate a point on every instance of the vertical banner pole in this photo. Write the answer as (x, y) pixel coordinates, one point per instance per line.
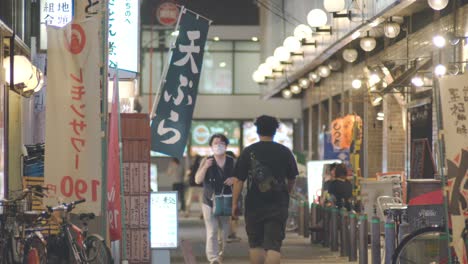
(166, 68)
(104, 112)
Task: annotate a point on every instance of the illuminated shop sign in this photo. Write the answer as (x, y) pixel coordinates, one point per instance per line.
(123, 34)
(56, 13)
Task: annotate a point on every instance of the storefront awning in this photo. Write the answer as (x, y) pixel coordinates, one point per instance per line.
(404, 79)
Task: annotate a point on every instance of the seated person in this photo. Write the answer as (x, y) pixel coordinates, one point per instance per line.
(341, 188)
(329, 178)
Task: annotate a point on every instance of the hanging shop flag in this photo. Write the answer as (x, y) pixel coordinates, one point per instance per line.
(173, 117)
(73, 124)
(454, 102)
(114, 208)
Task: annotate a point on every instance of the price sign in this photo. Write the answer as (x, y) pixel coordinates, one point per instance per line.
(163, 220)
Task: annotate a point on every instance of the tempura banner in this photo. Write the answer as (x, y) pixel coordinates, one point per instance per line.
(454, 101)
(73, 123)
(170, 126)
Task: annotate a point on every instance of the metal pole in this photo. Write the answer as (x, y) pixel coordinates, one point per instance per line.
(300, 220)
(334, 229)
(6, 116)
(363, 240)
(352, 237)
(313, 222)
(389, 239)
(343, 232)
(326, 225)
(375, 240)
(306, 219)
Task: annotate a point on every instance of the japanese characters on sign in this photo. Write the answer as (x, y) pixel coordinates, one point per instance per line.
(123, 34)
(56, 13)
(171, 124)
(73, 153)
(454, 102)
(163, 220)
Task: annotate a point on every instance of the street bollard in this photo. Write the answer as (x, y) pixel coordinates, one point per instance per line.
(300, 220)
(306, 219)
(363, 240)
(375, 240)
(326, 225)
(389, 239)
(334, 229)
(343, 232)
(352, 237)
(403, 228)
(313, 222)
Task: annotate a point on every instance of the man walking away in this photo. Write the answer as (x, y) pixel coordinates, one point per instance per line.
(270, 170)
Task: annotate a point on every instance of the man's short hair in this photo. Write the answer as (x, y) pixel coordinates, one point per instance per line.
(266, 125)
(341, 170)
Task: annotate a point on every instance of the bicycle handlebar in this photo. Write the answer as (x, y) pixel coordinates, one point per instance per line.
(65, 206)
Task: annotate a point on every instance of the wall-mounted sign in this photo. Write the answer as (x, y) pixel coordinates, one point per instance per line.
(56, 13)
(167, 13)
(123, 34)
(163, 220)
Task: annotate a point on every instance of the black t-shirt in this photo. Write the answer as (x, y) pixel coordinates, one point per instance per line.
(282, 164)
(343, 191)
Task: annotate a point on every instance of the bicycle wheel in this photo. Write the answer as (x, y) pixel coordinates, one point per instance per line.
(425, 245)
(35, 251)
(97, 250)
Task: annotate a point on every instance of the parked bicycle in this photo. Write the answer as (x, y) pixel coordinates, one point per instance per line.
(81, 247)
(15, 217)
(430, 244)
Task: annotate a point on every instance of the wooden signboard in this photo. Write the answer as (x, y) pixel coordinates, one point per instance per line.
(136, 179)
(422, 162)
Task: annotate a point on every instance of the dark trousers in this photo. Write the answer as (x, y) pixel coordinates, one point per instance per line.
(179, 187)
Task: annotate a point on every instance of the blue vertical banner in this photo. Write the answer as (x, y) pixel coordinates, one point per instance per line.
(171, 123)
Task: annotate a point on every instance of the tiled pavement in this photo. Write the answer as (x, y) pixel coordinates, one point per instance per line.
(296, 249)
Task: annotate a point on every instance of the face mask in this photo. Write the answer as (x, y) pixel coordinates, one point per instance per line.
(219, 149)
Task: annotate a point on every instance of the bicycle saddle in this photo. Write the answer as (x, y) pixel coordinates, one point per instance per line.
(88, 216)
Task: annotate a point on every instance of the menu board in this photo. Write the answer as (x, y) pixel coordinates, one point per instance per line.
(163, 220)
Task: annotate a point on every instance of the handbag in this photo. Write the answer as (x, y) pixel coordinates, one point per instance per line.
(222, 204)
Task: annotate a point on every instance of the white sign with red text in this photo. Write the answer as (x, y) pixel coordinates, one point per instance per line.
(73, 125)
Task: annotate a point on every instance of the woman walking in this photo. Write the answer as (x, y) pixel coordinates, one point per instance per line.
(215, 172)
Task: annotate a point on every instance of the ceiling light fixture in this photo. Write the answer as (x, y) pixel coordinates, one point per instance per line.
(438, 4)
(314, 77)
(417, 80)
(258, 77)
(356, 84)
(439, 41)
(367, 43)
(292, 44)
(282, 54)
(302, 32)
(391, 29)
(350, 55)
(287, 94)
(440, 70)
(324, 71)
(304, 83)
(295, 89)
(317, 18)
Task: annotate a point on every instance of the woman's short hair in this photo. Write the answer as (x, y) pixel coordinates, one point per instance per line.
(221, 137)
(266, 125)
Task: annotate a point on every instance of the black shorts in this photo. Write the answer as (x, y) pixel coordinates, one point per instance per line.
(266, 229)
